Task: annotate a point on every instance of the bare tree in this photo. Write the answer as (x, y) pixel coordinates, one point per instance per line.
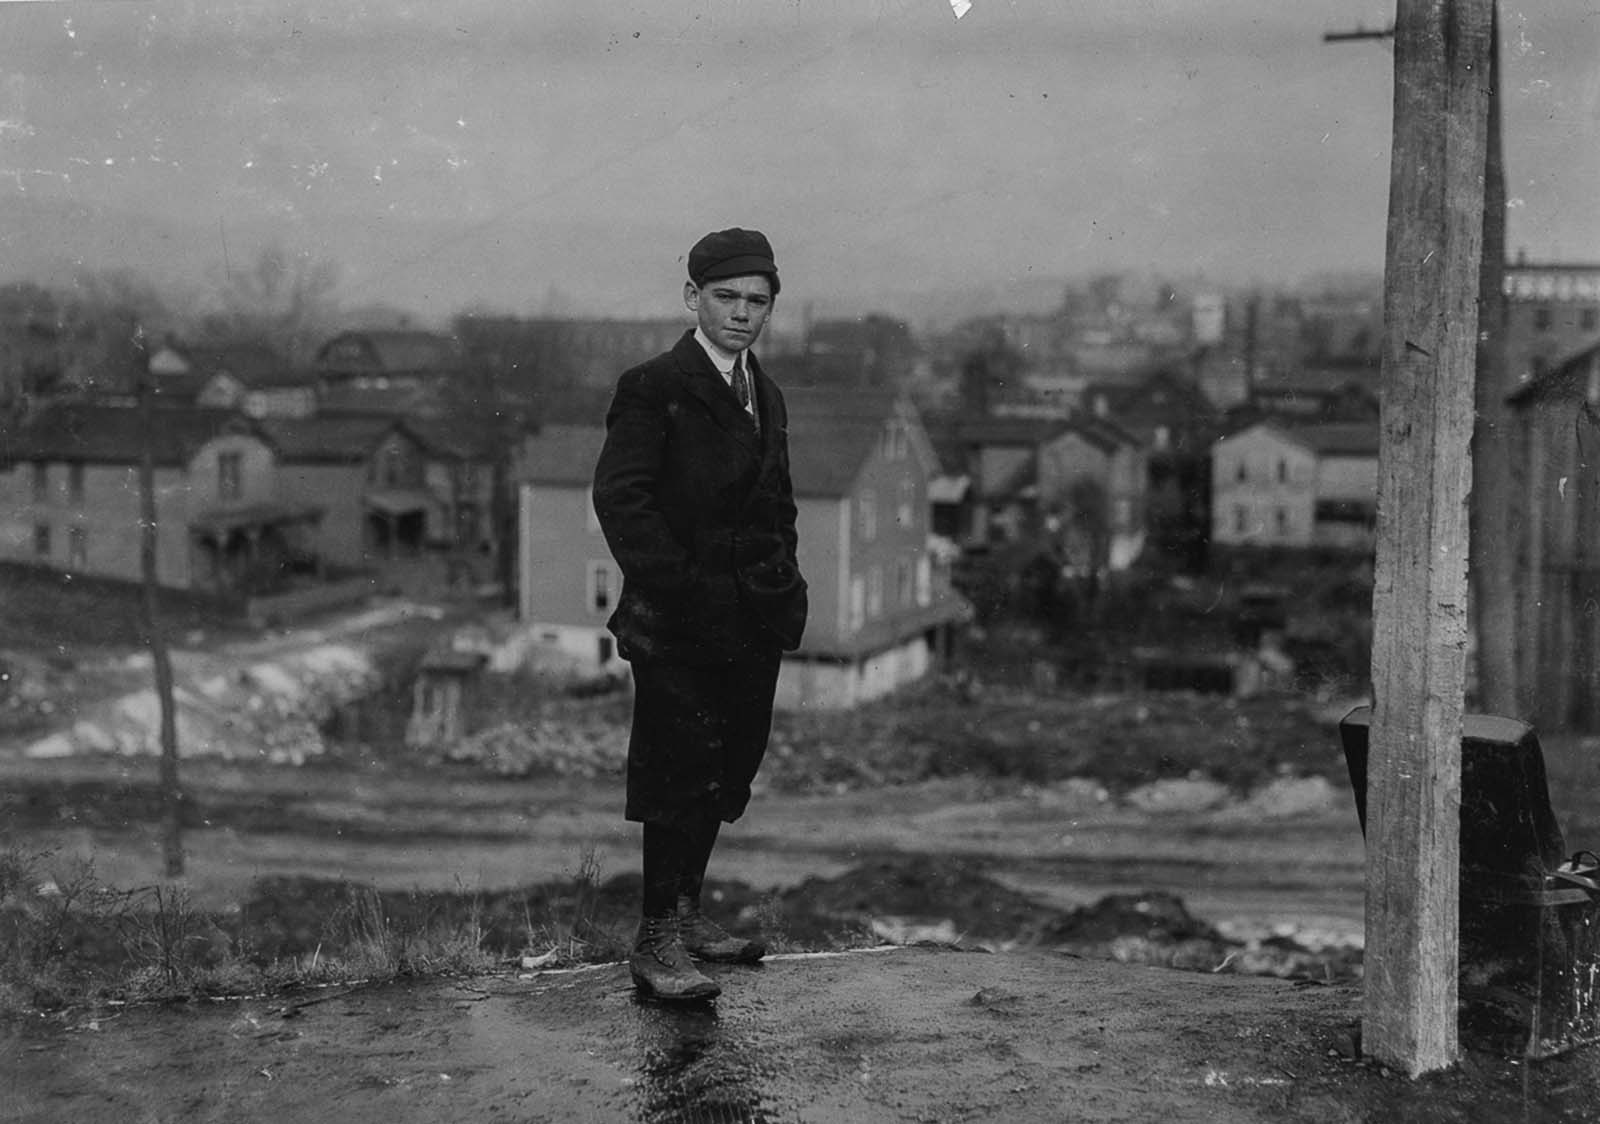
(990, 367)
(98, 322)
(30, 358)
(283, 300)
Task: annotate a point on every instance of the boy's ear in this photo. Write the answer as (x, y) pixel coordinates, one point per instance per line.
(691, 296)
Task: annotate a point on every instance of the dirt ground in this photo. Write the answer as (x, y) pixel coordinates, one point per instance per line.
(913, 1033)
(1022, 1032)
(906, 1034)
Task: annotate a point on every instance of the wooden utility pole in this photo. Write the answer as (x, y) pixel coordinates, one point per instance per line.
(1431, 278)
(171, 789)
(1496, 475)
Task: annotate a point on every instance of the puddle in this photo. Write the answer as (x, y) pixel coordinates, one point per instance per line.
(697, 1064)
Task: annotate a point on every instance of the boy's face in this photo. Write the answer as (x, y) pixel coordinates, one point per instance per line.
(732, 310)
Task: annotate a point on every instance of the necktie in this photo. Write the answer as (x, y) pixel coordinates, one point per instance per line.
(741, 389)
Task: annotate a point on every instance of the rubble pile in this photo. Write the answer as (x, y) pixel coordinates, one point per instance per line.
(268, 711)
(36, 691)
(947, 899)
(1179, 750)
(569, 745)
(1123, 740)
(27, 692)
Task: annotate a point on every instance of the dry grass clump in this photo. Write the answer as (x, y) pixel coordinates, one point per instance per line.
(67, 938)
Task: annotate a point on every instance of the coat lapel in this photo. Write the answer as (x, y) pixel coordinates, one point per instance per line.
(766, 398)
(706, 384)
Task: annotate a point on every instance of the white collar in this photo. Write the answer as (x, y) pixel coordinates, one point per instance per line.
(720, 359)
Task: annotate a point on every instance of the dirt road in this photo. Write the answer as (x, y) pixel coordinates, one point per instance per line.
(1246, 866)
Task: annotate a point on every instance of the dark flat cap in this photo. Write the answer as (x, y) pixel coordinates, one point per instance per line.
(732, 253)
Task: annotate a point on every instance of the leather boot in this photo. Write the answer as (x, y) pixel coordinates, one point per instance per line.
(661, 967)
(706, 940)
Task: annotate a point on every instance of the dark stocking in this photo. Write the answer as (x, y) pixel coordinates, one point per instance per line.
(666, 856)
(702, 838)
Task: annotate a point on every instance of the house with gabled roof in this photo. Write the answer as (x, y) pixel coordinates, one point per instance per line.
(70, 496)
(1311, 485)
(395, 490)
(281, 393)
(1175, 419)
(248, 377)
(240, 499)
(241, 359)
(881, 610)
(1093, 484)
(466, 468)
(1034, 475)
(397, 370)
(390, 352)
(1166, 409)
(366, 473)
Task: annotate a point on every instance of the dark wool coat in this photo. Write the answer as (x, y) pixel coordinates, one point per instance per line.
(699, 512)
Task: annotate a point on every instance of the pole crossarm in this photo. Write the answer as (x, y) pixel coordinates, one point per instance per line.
(1359, 33)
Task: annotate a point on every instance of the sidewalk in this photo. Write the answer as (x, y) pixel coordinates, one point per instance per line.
(904, 1034)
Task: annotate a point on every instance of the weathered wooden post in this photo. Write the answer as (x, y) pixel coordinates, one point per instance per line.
(1496, 474)
(160, 658)
(1424, 467)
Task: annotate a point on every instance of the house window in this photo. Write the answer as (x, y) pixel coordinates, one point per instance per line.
(904, 594)
(875, 592)
(41, 481)
(467, 524)
(41, 540)
(1282, 519)
(230, 476)
(601, 587)
(905, 511)
(858, 603)
(1241, 519)
(75, 482)
(867, 515)
(1283, 472)
(389, 469)
(924, 581)
(1589, 319)
(896, 442)
(1542, 319)
(1242, 473)
(77, 548)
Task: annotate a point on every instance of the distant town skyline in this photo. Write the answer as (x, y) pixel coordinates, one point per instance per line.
(497, 155)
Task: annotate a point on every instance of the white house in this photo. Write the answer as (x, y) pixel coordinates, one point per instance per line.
(881, 610)
(1314, 485)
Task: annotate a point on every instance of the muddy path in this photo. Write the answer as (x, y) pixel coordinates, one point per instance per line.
(932, 1036)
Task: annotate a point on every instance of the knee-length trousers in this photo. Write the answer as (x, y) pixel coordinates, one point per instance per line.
(699, 734)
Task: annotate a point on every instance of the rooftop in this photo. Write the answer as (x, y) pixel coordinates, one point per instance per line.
(831, 435)
(98, 433)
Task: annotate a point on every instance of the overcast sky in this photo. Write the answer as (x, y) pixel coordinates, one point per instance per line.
(490, 152)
